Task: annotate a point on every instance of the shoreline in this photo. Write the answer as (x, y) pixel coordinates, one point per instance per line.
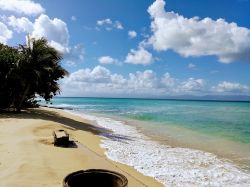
(165, 162)
(27, 150)
(226, 150)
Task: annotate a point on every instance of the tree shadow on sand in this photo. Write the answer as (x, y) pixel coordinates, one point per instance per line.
(71, 124)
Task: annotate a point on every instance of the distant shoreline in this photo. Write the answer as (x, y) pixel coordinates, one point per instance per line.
(167, 99)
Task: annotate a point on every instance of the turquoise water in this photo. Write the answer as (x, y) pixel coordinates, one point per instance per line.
(179, 143)
(228, 120)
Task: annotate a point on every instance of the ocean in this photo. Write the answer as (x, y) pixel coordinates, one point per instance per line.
(178, 142)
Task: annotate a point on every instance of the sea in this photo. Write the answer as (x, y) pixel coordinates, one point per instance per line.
(177, 142)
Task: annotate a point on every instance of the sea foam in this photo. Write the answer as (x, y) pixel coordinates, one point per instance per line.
(172, 166)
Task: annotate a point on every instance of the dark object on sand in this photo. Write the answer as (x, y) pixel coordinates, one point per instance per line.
(61, 138)
(95, 178)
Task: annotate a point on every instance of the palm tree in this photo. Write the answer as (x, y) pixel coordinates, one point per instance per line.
(9, 58)
(40, 70)
(27, 71)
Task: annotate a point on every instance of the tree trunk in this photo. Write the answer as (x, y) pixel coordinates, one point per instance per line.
(23, 96)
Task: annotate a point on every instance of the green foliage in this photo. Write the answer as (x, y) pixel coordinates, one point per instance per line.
(28, 71)
(9, 79)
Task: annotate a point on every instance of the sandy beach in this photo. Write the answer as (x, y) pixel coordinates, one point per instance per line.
(29, 158)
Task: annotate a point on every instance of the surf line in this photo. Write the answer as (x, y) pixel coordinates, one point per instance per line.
(109, 161)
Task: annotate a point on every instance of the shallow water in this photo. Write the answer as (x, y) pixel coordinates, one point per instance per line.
(172, 166)
(196, 143)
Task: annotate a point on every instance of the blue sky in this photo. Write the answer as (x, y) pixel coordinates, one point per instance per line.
(140, 48)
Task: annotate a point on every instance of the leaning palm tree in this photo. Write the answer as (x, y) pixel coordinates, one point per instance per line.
(40, 70)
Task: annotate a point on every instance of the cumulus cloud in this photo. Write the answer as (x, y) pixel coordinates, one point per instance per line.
(5, 33)
(26, 7)
(192, 84)
(107, 60)
(132, 34)
(167, 80)
(22, 24)
(99, 74)
(143, 80)
(55, 30)
(198, 37)
(231, 87)
(100, 81)
(109, 25)
(139, 56)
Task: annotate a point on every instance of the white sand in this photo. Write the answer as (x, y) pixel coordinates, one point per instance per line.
(29, 158)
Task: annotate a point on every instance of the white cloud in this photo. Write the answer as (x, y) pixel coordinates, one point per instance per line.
(140, 56)
(73, 18)
(191, 66)
(55, 30)
(192, 84)
(109, 25)
(198, 37)
(107, 60)
(26, 7)
(167, 80)
(100, 81)
(118, 25)
(22, 24)
(98, 75)
(132, 34)
(232, 87)
(104, 21)
(5, 33)
(142, 80)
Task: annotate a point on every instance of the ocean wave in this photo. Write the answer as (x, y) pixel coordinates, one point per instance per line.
(73, 106)
(172, 166)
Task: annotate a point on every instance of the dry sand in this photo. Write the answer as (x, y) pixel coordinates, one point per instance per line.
(29, 158)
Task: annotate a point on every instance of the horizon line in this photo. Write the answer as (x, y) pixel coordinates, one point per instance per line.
(195, 98)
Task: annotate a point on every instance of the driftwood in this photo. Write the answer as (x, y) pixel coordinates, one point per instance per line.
(61, 138)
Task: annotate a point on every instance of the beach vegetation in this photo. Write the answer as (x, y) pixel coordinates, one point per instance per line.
(28, 71)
